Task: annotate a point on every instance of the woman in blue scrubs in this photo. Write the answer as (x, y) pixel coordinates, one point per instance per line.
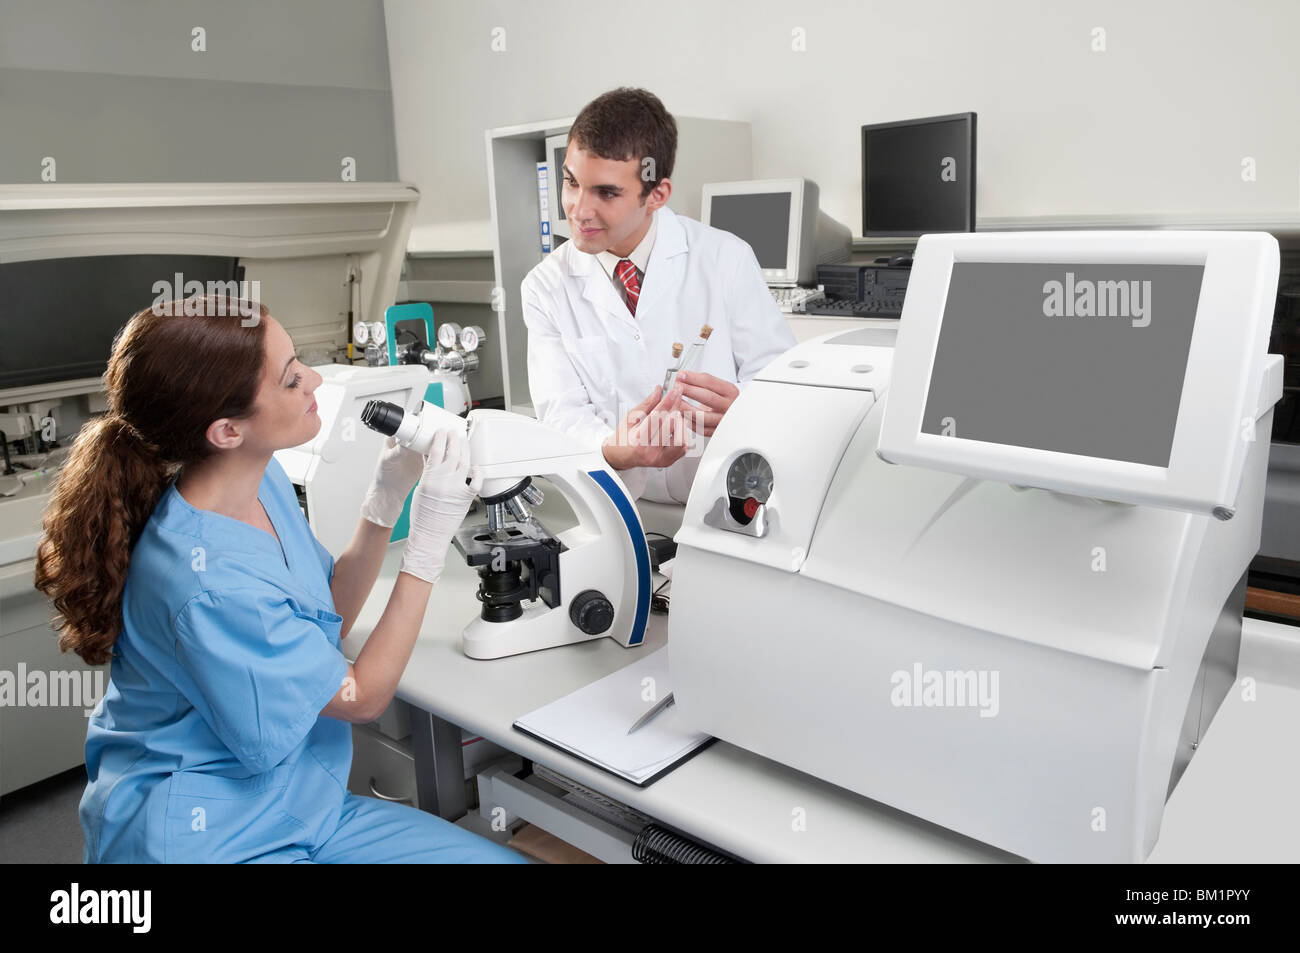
(175, 546)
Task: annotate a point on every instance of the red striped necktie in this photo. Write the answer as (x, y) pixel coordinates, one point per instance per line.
(626, 273)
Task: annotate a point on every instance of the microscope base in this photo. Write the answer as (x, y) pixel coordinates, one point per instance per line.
(540, 627)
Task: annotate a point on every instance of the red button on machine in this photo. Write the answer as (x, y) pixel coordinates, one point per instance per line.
(751, 507)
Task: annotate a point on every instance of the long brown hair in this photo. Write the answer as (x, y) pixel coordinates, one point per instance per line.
(175, 368)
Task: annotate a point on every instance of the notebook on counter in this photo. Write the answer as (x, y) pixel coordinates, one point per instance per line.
(592, 722)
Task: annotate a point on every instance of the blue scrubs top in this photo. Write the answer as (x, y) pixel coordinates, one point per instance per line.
(209, 744)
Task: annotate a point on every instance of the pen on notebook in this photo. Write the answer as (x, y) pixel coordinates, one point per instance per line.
(658, 706)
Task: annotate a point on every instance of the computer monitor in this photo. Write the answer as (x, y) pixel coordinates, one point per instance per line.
(61, 314)
(781, 221)
(556, 146)
(1122, 366)
(918, 176)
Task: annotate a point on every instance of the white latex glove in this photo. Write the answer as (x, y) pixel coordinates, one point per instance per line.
(440, 503)
(397, 471)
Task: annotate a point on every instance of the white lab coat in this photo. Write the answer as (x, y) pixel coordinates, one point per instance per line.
(590, 361)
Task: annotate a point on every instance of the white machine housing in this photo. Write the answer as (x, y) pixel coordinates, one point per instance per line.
(606, 550)
(1029, 668)
(335, 467)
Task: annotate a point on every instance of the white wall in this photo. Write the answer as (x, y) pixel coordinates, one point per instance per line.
(1157, 123)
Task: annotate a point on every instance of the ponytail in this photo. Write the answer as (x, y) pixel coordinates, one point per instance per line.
(100, 503)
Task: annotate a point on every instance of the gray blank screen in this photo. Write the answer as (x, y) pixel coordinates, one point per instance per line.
(761, 219)
(1007, 371)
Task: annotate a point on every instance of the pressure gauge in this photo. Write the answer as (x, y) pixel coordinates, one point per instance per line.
(448, 335)
(361, 332)
(471, 337)
(750, 477)
(378, 332)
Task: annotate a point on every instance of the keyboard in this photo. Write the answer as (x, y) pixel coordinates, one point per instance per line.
(849, 308)
(795, 300)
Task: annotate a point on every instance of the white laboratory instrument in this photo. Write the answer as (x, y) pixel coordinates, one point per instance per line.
(1021, 628)
(540, 589)
(332, 470)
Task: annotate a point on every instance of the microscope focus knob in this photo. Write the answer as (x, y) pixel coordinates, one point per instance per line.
(591, 612)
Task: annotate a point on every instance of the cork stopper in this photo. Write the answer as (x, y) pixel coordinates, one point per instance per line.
(677, 349)
(705, 332)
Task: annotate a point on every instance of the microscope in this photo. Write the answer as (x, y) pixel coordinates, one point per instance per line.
(539, 589)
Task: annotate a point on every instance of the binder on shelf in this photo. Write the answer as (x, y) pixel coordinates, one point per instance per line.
(544, 207)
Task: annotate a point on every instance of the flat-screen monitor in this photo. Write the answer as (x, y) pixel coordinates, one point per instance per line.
(782, 223)
(1125, 366)
(61, 314)
(918, 176)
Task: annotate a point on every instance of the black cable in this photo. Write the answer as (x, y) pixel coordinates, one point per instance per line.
(658, 603)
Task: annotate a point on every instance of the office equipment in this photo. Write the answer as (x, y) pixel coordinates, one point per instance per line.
(795, 300)
(1023, 629)
(918, 176)
(655, 709)
(591, 723)
(861, 291)
(781, 221)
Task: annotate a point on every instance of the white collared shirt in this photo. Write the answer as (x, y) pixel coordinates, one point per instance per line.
(640, 258)
(590, 361)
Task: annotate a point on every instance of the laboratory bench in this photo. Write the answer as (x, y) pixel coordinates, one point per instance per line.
(1232, 805)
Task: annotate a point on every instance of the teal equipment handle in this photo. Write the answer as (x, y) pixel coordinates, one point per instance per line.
(416, 311)
(422, 311)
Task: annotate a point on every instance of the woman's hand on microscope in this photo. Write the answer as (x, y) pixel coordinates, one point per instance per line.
(447, 487)
(653, 434)
(397, 471)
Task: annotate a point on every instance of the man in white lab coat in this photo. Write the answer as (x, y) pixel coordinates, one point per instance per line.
(604, 309)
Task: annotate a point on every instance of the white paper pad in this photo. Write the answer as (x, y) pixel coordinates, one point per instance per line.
(592, 722)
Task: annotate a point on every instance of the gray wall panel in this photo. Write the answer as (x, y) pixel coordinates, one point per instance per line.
(107, 128)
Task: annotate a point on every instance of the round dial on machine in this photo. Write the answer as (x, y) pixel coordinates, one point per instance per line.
(378, 332)
(749, 484)
(471, 337)
(448, 335)
(361, 332)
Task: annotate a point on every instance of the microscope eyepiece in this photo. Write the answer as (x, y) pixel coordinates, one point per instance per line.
(382, 416)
